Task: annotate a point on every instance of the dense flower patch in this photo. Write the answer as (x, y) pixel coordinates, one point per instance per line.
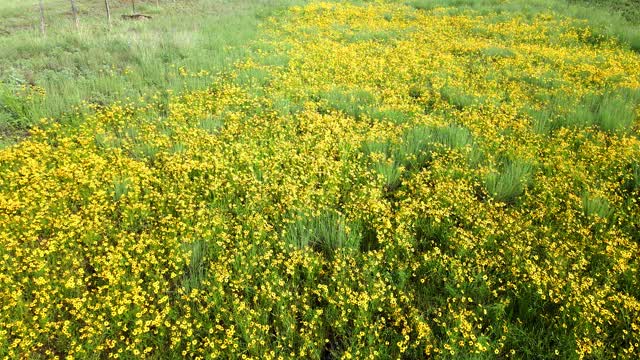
(377, 182)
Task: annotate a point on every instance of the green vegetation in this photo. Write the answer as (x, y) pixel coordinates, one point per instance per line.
(596, 206)
(446, 179)
(326, 233)
(510, 182)
(612, 111)
(629, 9)
(183, 46)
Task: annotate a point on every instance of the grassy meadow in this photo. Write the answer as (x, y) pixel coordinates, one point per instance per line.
(53, 75)
(414, 179)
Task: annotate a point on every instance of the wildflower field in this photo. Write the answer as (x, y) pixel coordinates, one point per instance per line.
(378, 180)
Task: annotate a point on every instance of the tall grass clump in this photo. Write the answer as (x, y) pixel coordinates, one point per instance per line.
(459, 98)
(384, 162)
(613, 111)
(396, 117)
(419, 143)
(453, 136)
(414, 150)
(498, 52)
(353, 103)
(431, 234)
(596, 206)
(635, 174)
(120, 188)
(391, 171)
(326, 233)
(211, 124)
(510, 181)
(616, 111)
(196, 270)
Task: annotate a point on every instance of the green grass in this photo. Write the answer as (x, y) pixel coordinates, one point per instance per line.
(352, 103)
(635, 183)
(496, 52)
(414, 151)
(120, 188)
(96, 65)
(629, 9)
(197, 269)
(613, 112)
(419, 143)
(393, 116)
(211, 125)
(326, 233)
(510, 181)
(596, 206)
(458, 98)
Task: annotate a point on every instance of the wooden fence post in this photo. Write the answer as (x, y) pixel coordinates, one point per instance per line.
(42, 25)
(106, 4)
(74, 9)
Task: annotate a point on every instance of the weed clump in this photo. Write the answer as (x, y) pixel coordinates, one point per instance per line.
(613, 112)
(326, 233)
(510, 181)
(596, 206)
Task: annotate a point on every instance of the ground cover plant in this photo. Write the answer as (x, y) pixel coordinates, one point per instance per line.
(376, 180)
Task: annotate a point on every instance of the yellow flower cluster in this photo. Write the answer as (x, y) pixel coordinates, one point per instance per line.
(377, 181)
(30, 92)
